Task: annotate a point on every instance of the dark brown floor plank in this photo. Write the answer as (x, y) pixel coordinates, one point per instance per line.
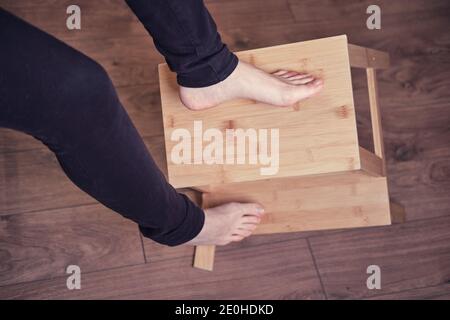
(441, 292)
(32, 181)
(129, 61)
(411, 255)
(277, 270)
(422, 186)
(13, 141)
(395, 26)
(143, 104)
(249, 13)
(41, 245)
(100, 17)
(315, 11)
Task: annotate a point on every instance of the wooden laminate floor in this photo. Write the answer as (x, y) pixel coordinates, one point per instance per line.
(46, 223)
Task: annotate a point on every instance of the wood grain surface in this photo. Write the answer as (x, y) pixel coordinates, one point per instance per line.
(316, 136)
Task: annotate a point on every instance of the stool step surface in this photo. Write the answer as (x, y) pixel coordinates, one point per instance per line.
(332, 201)
(316, 136)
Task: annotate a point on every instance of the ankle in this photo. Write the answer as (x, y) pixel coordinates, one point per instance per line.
(190, 99)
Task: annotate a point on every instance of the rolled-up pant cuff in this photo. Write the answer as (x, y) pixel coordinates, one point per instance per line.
(185, 231)
(217, 69)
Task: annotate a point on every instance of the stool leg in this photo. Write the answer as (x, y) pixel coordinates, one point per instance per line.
(398, 213)
(204, 257)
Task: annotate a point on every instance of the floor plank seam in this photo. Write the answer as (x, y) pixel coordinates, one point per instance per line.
(317, 269)
(227, 249)
(143, 247)
(291, 12)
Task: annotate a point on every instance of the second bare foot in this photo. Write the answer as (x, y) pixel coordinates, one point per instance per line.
(228, 223)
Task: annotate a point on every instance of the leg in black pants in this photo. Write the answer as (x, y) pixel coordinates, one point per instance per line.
(66, 100)
(186, 35)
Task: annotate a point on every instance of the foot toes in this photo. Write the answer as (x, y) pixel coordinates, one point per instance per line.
(299, 76)
(236, 238)
(280, 72)
(242, 232)
(316, 83)
(253, 209)
(251, 220)
(301, 81)
(289, 74)
(248, 227)
(314, 86)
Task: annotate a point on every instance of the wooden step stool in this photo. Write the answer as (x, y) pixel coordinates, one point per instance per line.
(325, 179)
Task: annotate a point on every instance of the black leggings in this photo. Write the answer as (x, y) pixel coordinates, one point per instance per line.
(67, 101)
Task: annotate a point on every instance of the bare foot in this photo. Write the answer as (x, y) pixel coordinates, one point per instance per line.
(228, 223)
(281, 88)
